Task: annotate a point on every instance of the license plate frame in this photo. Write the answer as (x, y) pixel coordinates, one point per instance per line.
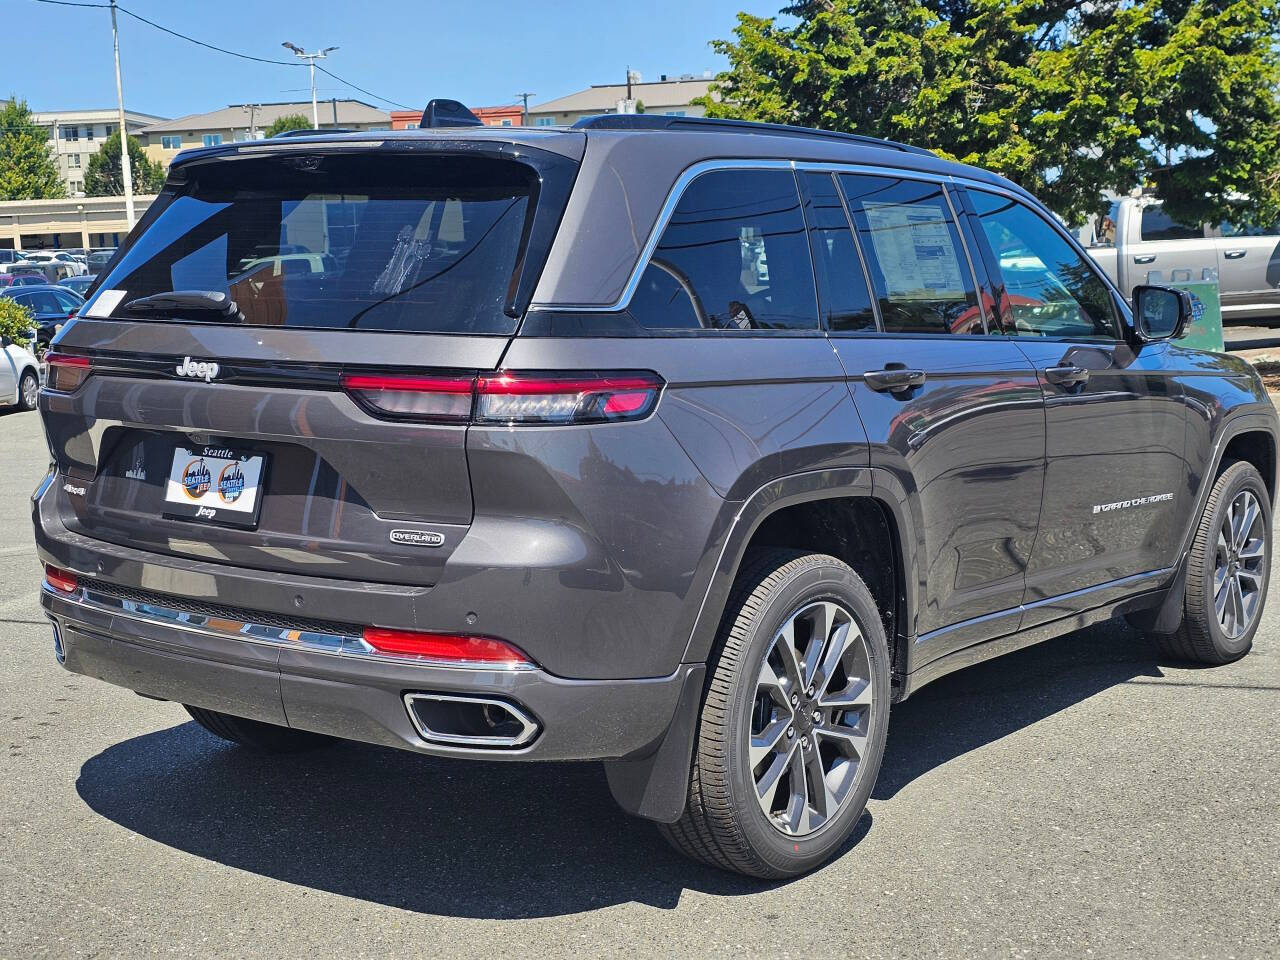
(201, 480)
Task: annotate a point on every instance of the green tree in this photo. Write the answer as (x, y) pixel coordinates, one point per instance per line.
(16, 321)
(1066, 99)
(104, 178)
(290, 121)
(27, 168)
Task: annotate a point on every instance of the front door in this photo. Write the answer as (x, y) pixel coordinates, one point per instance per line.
(1114, 418)
(954, 415)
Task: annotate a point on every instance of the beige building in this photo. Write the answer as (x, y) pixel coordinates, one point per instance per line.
(78, 134)
(249, 121)
(60, 224)
(671, 96)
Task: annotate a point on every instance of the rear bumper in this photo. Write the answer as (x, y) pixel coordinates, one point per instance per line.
(305, 680)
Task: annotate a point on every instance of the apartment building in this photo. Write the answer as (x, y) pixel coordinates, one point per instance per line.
(78, 134)
(671, 96)
(504, 116)
(249, 121)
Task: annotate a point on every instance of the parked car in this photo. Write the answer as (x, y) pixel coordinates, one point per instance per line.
(56, 264)
(19, 376)
(10, 256)
(1137, 242)
(77, 285)
(701, 498)
(22, 279)
(52, 306)
(97, 260)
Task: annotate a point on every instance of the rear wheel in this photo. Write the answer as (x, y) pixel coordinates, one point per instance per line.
(256, 735)
(28, 391)
(1228, 567)
(794, 720)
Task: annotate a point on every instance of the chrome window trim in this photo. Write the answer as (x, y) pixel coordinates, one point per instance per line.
(692, 172)
(347, 646)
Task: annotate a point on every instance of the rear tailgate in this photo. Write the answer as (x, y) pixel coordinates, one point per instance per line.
(340, 265)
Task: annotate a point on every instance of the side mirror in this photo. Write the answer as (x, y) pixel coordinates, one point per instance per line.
(1161, 313)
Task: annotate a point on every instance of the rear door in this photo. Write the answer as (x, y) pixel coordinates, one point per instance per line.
(1164, 250)
(300, 420)
(1249, 270)
(1115, 424)
(963, 434)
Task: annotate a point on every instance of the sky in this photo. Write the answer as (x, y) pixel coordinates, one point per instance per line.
(482, 53)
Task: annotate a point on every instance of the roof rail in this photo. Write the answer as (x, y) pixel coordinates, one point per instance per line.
(651, 121)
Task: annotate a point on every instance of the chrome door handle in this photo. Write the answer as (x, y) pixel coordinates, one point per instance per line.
(894, 380)
(1144, 258)
(1068, 376)
(1233, 254)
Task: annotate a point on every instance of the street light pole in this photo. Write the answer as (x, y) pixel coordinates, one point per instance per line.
(524, 111)
(311, 59)
(125, 171)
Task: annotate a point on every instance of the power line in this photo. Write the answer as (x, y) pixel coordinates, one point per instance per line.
(369, 93)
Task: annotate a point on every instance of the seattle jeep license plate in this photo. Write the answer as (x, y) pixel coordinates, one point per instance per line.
(216, 485)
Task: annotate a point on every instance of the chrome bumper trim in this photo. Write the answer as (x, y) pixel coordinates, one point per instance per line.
(311, 641)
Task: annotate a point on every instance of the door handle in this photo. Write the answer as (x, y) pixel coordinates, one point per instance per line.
(1233, 254)
(894, 380)
(1144, 258)
(1068, 376)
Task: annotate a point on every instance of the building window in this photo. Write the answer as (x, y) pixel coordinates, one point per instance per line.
(88, 132)
(673, 113)
(73, 160)
(544, 121)
(108, 130)
(171, 143)
(411, 126)
(506, 123)
(76, 186)
(71, 133)
(212, 139)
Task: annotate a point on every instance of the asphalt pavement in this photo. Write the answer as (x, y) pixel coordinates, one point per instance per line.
(1083, 798)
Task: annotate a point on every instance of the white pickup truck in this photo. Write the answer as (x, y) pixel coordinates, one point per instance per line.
(1137, 242)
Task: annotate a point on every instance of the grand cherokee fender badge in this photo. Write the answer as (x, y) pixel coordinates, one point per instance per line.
(1135, 502)
(199, 369)
(417, 538)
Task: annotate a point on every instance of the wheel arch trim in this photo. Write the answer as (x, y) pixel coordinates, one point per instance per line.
(809, 487)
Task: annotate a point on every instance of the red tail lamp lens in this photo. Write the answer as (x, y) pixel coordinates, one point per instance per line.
(595, 398)
(414, 398)
(66, 371)
(444, 646)
(60, 580)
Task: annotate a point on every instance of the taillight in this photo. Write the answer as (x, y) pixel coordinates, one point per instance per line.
(449, 647)
(60, 580)
(509, 397)
(66, 371)
(516, 398)
(418, 398)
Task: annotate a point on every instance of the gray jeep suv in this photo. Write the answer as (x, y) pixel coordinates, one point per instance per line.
(685, 445)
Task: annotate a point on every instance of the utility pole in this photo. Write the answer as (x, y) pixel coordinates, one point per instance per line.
(524, 113)
(252, 109)
(125, 172)
(311, 59)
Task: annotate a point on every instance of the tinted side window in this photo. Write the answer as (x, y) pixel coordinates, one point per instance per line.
(1050, 290)
(1158, 225)
(918, 266)
(68, 301)
(842, 287)
(42, 301)
(733, 256)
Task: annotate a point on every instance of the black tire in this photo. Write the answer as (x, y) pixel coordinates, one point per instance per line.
(724, 824)
(1200, 637)
(256, 735)
(29, 385)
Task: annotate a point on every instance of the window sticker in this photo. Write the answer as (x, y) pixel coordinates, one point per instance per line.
(915, 251)
(104, 303)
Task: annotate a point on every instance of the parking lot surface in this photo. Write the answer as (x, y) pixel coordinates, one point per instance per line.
(1080, 798)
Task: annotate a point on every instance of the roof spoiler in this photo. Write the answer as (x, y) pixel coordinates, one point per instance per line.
(449, 113)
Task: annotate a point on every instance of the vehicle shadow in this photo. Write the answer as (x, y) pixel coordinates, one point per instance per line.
(505, 841)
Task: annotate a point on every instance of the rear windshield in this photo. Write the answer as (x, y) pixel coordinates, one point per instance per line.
(390, 242)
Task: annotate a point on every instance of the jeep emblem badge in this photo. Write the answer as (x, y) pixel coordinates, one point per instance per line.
(199, 369)
(417, 538)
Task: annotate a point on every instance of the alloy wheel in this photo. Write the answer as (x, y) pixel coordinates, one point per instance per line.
(811, 717)
(30, 390)
(1239, 565)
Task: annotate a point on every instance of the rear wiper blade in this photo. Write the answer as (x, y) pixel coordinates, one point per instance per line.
(188, 301)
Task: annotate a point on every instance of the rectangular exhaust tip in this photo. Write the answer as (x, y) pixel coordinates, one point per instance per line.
(457, 720)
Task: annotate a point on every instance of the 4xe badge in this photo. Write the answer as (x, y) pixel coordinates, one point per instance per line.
(417, 538)
(204, 370)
